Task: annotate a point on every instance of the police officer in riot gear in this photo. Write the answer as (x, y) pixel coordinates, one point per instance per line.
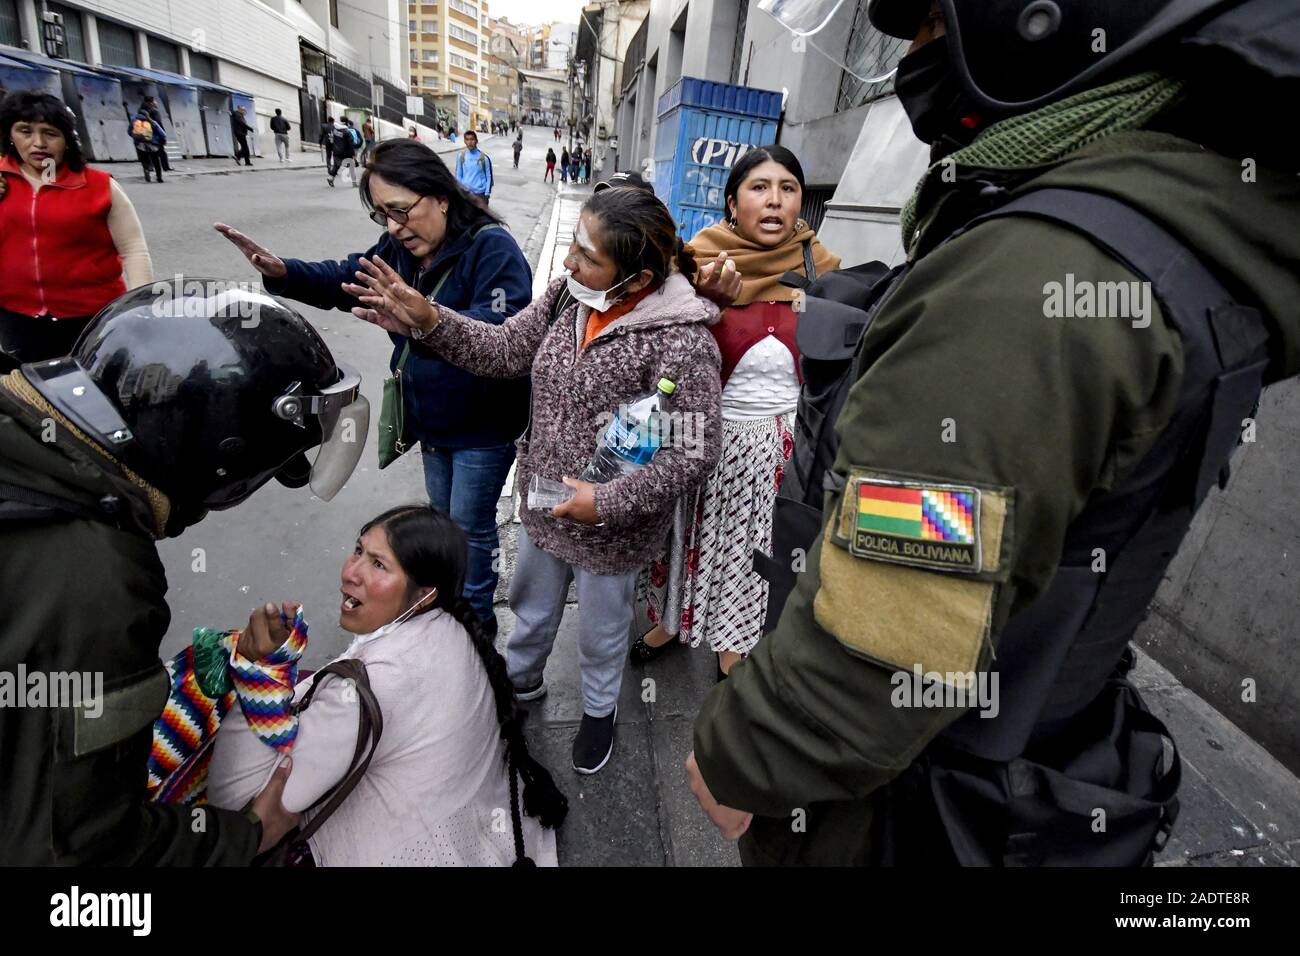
(176, 400)
(1010, 475)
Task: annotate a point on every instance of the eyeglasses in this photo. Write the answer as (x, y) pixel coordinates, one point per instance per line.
(380, 217)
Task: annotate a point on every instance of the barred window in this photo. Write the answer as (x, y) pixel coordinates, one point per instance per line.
(116, 44)
(738, 49)
(869, 54)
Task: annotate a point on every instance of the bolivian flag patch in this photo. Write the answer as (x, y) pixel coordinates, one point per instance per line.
(933, 526)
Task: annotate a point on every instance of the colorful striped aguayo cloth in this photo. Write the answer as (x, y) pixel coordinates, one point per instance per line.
(206, 678)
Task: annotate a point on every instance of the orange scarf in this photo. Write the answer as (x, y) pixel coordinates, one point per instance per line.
(597, 322)
(761, 267)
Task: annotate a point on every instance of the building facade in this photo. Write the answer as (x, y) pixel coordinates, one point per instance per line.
(605, 33)
(449, 52)
(841, 118)
(294, 55)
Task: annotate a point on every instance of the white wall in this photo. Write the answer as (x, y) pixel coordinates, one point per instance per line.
(241, 31)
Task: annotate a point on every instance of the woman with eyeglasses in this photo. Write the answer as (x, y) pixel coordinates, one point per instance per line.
(459, 255)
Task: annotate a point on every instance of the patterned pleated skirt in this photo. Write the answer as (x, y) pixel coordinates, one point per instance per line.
(705, 587)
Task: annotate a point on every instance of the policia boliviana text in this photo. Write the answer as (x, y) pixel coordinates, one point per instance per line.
(171, 405)
(1161, 159)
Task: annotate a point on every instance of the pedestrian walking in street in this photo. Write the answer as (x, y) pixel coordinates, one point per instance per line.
(149, 139)
(474, 169)
(720, 598)
(68, 233)
(155, 116)
(240, 129)
(343, 142)
(565, 159)
(326, 140)
(280, 127)
(517, 147)
(1014, 558)
(550, 166)
(449, 247)
(637, 321)
(103, 453)
(452, 736)
(367, 138)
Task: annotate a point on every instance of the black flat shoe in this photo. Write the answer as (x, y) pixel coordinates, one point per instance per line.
(643, 653)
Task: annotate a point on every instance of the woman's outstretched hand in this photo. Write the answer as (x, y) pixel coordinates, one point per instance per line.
(266, 631)
(387, 301)
(259, 257)
(719, 282)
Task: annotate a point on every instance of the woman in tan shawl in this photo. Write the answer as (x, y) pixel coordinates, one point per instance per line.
(706, 587)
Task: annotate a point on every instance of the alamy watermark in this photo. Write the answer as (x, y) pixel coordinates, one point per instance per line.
(196, 298)
(1085, 299)
(922, 688)
(24, 688)
(671, 429)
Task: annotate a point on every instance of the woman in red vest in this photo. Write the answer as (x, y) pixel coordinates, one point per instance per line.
(67, 232)
(706, 588)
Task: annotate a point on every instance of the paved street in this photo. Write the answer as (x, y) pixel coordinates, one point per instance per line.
(1239, 804)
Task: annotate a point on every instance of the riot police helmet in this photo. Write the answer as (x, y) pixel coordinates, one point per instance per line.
(207, 389)
(1013, 56)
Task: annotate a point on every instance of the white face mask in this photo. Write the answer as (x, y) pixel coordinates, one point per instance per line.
(597, 300)
(391, 625)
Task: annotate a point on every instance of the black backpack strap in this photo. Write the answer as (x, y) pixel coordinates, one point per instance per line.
(809, 267)
(1224, 341)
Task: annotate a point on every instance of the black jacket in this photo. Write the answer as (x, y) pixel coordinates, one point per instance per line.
(86, 596)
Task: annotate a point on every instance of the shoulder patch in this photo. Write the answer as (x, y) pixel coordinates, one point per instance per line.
(922, 523)
(932, 526)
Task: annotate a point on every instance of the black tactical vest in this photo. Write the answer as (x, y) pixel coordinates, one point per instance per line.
(1070, 738)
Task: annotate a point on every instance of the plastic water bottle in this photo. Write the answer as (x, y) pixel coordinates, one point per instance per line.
(632, 438)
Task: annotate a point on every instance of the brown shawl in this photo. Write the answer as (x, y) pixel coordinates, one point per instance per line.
(761, 267)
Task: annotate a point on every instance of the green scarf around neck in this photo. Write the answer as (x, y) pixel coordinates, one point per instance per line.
(1047, 134)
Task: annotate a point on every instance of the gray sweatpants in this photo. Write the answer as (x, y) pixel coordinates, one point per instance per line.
(537, 593)
(282, 143)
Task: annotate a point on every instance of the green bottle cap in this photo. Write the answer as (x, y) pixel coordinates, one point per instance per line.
(667, 386)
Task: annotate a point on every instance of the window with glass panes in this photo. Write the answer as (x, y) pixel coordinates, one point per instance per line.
(116, 44)
(201, 67)
(164, 56)
(869, 54)
(73, 36)
(10, 30)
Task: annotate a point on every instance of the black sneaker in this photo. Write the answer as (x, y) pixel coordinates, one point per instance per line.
(532, 692)
(594, 744)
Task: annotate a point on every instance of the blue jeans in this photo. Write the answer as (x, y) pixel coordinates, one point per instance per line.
(466, 483)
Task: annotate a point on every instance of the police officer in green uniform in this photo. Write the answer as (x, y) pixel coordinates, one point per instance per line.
(1100, 277)
(179, 398)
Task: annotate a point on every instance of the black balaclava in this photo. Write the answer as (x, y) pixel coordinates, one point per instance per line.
(941, 112)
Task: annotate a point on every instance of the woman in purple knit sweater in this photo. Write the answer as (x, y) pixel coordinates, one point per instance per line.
(600, 354)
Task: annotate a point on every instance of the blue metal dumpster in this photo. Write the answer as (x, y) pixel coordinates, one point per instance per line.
(704, 127)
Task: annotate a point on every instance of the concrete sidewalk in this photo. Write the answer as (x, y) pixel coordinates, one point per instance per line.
(1239, 806)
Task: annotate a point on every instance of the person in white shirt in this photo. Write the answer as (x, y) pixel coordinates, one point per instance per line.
(439, 789)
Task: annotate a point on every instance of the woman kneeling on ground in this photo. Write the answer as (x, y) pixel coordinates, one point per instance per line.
(637, 320)
(439, 780)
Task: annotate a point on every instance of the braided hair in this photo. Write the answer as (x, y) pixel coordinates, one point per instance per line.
(433, 552)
